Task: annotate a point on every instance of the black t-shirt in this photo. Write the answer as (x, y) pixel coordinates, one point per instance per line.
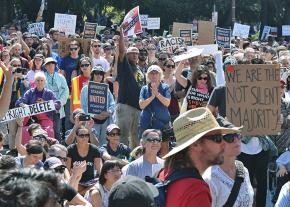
(123, 151)
(92, 154)
(130, 79)
(218, 99)
(68, 192)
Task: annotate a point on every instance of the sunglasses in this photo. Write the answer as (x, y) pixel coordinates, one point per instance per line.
(170, 66)
(202, 78)
(95, 46)
(153, 140)
(59, 169)
(114, 134)
(215, 138)
(61, 158)
(73, 48)
(230, 138)
(84, 135)
(85, 65)
(161, 59)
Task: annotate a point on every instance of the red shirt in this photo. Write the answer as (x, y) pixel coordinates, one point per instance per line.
(82, 82)
(187, 192)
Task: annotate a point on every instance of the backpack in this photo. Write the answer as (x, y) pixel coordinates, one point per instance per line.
(163, 185)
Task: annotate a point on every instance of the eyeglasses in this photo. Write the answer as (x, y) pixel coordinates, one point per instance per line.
(230, 138)
(114, 134)
(95, 46)
(85, 65)
(170, 66)
(84, 135)
(115, 171)
(153, 140)
(61, 158)
(214, 138)
(73, 48)
(59, 169)
(202, 78)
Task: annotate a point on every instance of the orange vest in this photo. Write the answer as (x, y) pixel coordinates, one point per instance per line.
(75, 93)
(1, 74)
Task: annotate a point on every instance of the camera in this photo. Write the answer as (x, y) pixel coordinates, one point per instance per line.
(84, 117)
(20, 70)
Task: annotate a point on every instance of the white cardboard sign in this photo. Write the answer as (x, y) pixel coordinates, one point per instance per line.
(65, 23)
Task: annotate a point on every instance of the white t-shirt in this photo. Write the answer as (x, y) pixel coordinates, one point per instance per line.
(221, 184)
(102, 62)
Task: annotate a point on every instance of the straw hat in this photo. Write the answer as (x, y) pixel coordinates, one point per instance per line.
(193, 125)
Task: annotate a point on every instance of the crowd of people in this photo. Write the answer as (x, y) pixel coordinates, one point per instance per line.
(164, 120)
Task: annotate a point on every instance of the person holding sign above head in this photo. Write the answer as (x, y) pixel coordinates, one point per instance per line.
(103, 119)
(40, 94)
(57, 83)
(199, 87)
(130, 79)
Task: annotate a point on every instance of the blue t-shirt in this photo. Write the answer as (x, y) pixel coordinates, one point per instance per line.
(68, 64)
(123, 151)
(155, 115)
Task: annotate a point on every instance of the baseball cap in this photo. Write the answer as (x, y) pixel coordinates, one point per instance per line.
(132, 50)
(49, 60)
(52, 162)
(98, 68)
(154, 68)
(132, 191)
(107, 46)
(111, 127)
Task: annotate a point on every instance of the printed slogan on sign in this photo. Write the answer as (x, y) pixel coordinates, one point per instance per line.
(254, 98)
(97, 97)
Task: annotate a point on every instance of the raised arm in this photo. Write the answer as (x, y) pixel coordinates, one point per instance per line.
(121, 46)
(178, 75)
(7, 89)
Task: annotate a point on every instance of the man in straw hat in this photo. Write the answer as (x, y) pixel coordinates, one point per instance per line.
(200, 144)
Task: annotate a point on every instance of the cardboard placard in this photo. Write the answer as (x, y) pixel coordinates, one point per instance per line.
(206, 32)
(153, 23)
(171, 43)
(253, 98)
(65, 23)
(36, 28)
(97, 97)
(223, 37)
(63, 47)
(186, 35)
(241, 30)
(180, 26)
(90, 30)
(29, 110)
(144, 20)
(207, 49)
(189, 54)
(285, 30)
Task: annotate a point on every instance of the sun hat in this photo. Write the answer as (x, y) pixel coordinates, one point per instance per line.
(132, 191)
(154, 68)
(193, 125)
(132, 50)
(49, 60)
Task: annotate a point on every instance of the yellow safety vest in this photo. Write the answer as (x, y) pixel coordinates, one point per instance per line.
(75, 93)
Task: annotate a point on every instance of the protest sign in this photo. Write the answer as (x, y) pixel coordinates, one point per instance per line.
(241, 30)
(180, 26)
(253, 98)
(153, 23)
(97, 97)
(223, 37)
(206, 49)
(144, 20)
(285, 30)
(29, 110)
(189, 54)
(274, 31)
(172, 42)
(205, 32)
(266, 32)
(132, 23)
(36, 28)
(63, 46)
(65, 23)
(186, 35)
(90, 30)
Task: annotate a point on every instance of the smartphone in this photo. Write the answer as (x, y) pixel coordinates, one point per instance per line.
(84, 117)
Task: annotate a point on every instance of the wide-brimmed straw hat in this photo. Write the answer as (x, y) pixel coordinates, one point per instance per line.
(193, 125)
